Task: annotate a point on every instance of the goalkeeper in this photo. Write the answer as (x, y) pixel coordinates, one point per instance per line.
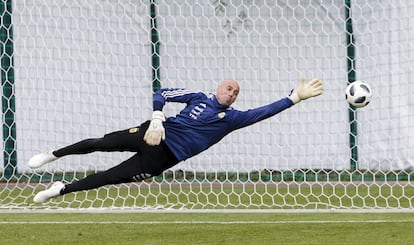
(161, 143)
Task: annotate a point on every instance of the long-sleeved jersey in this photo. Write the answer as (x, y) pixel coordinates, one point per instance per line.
(204, 122)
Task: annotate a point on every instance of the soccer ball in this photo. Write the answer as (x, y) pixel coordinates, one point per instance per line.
(358, 94)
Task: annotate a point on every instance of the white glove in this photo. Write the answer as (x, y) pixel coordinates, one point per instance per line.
(306, 90)
(155, 131)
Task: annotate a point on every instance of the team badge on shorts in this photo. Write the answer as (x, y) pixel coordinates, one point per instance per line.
(221, 114)
(133, 130)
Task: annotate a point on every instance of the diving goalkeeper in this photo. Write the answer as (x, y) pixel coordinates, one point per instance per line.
(161, 143)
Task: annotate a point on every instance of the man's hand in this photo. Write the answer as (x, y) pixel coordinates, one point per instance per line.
(306, 90)
(155, 131)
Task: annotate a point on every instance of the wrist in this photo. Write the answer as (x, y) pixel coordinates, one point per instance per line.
(158, 115)
(294, 96)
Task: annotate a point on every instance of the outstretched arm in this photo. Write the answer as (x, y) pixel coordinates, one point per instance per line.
(306, 90)
(302, 92)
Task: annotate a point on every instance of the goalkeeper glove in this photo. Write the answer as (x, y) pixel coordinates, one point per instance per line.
(155, 131)
(306, 90)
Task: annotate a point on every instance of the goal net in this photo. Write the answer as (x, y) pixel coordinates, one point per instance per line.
(79, 69)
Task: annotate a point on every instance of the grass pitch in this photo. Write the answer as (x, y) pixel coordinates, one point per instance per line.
(33, 225)
(207, 228)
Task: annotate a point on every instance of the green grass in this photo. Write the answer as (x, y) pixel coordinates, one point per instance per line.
(33, 226)
(204, 228)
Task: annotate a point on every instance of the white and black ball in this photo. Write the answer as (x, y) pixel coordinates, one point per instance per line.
(358, 94)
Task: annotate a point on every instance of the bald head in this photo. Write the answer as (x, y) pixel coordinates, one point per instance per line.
(227, 92)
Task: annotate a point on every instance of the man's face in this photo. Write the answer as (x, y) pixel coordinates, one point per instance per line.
(227, 92)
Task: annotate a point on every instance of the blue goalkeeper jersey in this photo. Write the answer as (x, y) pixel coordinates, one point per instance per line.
(204, 122)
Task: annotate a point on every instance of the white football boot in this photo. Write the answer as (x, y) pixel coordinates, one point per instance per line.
(53, 191)
(41, 159)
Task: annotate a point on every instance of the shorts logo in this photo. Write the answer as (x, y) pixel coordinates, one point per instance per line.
(141, 177)
(221, 114)
(133, 130)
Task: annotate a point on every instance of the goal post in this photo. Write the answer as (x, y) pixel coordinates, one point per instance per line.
(155, 48)
(8, 97)
(81, 69)
(351, 72)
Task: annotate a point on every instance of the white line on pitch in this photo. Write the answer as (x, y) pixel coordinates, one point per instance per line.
(206, 222)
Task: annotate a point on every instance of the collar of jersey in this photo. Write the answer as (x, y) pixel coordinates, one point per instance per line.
(217, 104)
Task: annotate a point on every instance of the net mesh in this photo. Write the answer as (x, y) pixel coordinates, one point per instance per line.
(85, 68)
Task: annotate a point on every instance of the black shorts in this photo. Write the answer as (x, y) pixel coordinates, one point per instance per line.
(148, 159)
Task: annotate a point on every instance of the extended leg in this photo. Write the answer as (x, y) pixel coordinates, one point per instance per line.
(122, 173)
(125, 140)
(82, 147)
